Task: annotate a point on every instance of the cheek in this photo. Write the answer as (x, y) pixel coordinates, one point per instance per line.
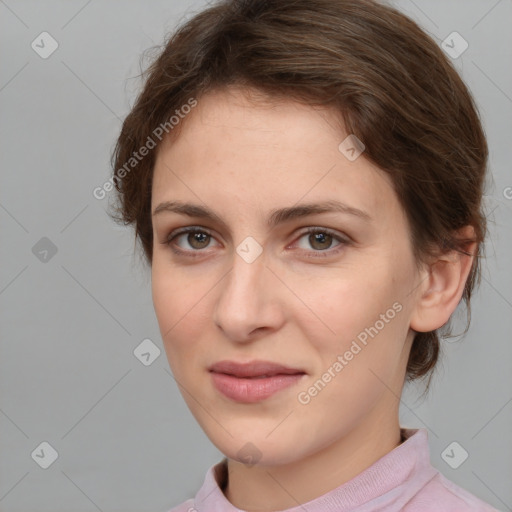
(342, 302)
(358, 365)
(358, 312)
(179, 303)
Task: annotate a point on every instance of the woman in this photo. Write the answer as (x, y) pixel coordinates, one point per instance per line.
(305, 178)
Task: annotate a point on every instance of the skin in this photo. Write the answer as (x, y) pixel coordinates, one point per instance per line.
(242, 157)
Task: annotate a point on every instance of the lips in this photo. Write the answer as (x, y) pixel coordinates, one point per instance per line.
(254, 381)
(253, 369)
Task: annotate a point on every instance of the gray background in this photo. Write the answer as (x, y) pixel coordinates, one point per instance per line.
(69, 325)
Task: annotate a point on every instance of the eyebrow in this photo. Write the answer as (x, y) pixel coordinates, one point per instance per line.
(277, 216)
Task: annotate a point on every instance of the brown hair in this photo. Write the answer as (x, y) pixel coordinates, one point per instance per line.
(391, 84)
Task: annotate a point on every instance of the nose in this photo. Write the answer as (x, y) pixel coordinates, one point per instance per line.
(248, 305)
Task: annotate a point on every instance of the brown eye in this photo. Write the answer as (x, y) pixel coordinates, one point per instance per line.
(320, 241)
(189, 240)
(198, 239)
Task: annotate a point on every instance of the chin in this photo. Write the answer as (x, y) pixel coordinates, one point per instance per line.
(257, 449)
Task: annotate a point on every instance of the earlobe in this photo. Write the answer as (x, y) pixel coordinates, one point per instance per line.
(442, 286)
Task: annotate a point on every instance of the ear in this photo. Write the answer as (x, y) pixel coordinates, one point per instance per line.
(442, 285)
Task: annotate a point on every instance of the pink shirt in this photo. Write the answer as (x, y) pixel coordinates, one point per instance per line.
(402, 480)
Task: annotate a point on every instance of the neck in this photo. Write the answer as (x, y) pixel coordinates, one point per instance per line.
(266, 488)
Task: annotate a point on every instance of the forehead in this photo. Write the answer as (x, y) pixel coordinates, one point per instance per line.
(254, 117)
(263, 151)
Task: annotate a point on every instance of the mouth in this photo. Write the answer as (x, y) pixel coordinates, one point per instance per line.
(253, 369)
(254, 381)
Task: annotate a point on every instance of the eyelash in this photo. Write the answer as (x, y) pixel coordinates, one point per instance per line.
(310, 230)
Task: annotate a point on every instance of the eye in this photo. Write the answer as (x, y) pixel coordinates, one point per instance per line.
(195, 237)
(321, 240)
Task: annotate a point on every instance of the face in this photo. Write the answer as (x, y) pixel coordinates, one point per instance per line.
(251, 283)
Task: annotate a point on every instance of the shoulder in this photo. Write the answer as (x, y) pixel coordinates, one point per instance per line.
(441, 492)
(186, 506)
